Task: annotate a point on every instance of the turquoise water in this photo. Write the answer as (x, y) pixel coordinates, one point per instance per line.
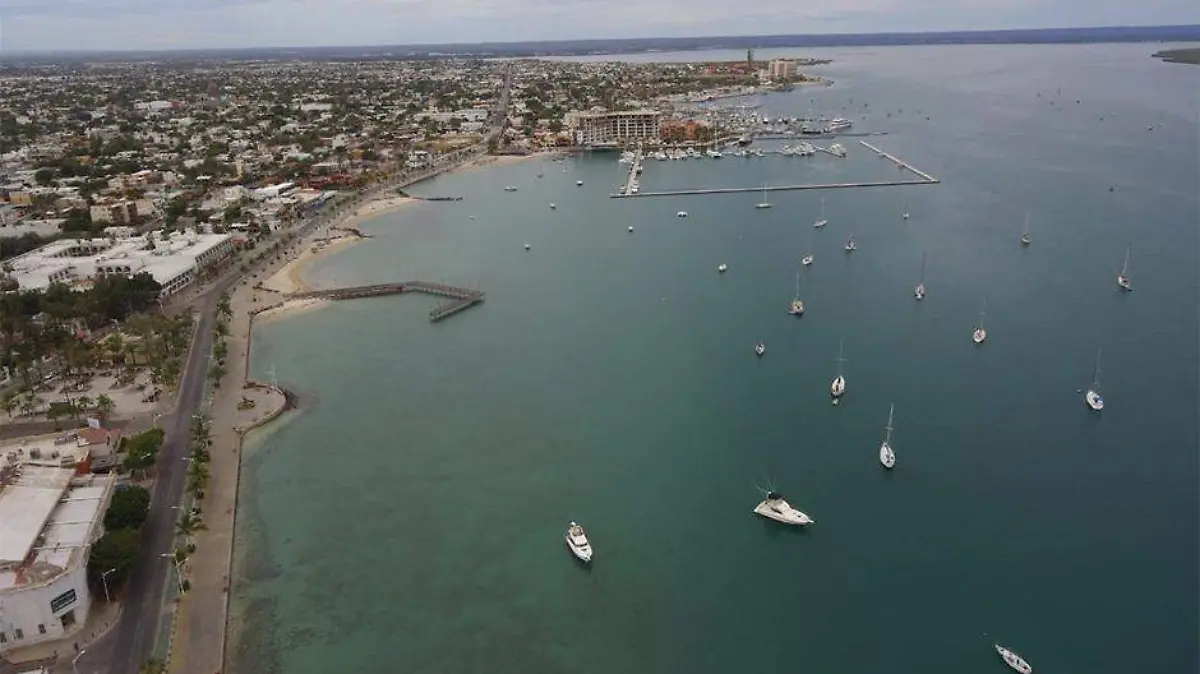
(410, 519)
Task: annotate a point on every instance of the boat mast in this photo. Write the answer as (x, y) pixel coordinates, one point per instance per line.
(822, 208)
(841, 357)
(1096, 371)
(888, 439)
(1125, 267)
(922, 282)
(1025, 232)
(982, 311)
(797, 286)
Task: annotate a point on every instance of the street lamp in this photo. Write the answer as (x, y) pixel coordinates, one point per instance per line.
(178, 571)
(104, 579)
(76, 659)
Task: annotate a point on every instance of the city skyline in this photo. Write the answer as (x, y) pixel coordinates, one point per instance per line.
(106, 25)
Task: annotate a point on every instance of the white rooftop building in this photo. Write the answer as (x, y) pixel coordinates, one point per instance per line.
(49, 517)
(172, 260)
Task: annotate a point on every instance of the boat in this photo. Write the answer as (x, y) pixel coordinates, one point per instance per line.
(577, 541)
(510, 188)
(579, 183)
(837, 150)
(980, 334)
(838, 387)
(851, 246)
(760, 349)
(904, 215)
(821, 222)
(775, 507)
(745, 140)
(919, 291)
(539, 174)
(796, 308)
(553, 206)
(1123, 281)
(838, 123)
(764, 203)
(526, 246)
(631, 228)
(1026, 239)
(807, 260)
(714, 154)
(1093, 398)
(722, 267)
(626, 158)
(886, 456)
(1014, 661)
(681, 214)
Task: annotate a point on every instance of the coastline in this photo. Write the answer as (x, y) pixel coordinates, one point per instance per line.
(198, 648)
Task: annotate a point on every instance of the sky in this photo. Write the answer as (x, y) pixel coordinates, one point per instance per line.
(52, 25)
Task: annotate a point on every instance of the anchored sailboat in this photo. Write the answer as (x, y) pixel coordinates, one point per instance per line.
(838, 387)
(1093, 397)
(764, 203)
(1026, 239)
(807, 260)
(980, 334)
(822, 221)
(796, 308)
(886, 456)
(919, 291)
(1123, 281)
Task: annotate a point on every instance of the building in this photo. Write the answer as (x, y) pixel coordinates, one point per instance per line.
(614, 128)
(172, 259)
(49, 518)
(781, 70)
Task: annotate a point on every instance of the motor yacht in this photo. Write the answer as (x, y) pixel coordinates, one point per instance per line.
(681, 214)
(579, 183)
(807, 260)
(577, 541)
(1014, 661)
(510, 188)
(837, 150)
(776, 508)
(722, 267)
(851, 246)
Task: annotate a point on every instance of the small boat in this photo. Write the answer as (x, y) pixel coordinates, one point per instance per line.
(904, 215)
(919, 291)
(851, 246)
(760, 349)
(553, 206)
(722, 267)
(577, 541)
(631, 228)
(837, 150)
(1026, 238)
(1093, 398)
(796, 308)
(886, 456)
(539, 174)
(510, 188)
(821, 222)
(681, 214)
(807, 260)
(579, 183)
(838, 387)
(1014, 661)
(1123, 281)
(526, 246)
(774, 507)
(764, 203)
(980, 334)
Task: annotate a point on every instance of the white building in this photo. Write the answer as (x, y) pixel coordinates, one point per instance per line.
(614, 128)
(49, 518)
(172, 260)
(781, 70)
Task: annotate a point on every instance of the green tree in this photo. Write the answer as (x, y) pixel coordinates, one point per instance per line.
(129, 507)
(104, 407)
(116, 551)
(44, 176)
(141, 450)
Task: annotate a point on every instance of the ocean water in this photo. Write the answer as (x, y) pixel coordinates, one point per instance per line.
(411, 517)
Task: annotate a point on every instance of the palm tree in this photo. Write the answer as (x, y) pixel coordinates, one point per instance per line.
(189, 523)
(105, 406)
(115, 345)
(198, 476)
(153, 666)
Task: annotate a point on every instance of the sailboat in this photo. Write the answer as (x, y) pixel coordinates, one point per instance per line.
(919, 291)
(764, 203)
(1026, 239)
(1014, 661)
(851, 245)
(1093, 397)
(807, 260)
(821, 222)
(838, 387)
(886, 456)
(796, 308)
(1123, 281)
(980, 334)
(904, 214)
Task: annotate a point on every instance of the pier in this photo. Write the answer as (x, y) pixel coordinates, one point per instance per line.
(463, 298)
(898, 161)
(634, 169)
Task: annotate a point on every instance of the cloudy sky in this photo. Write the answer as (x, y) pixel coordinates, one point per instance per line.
(174, 24)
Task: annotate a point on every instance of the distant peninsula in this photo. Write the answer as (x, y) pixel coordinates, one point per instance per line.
(1190, 55)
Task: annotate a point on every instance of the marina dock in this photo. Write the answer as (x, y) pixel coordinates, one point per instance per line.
(634, 170)
(462, 298)
(898, 161)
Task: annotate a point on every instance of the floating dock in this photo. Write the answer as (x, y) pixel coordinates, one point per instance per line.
(463, 298)
(923, 178)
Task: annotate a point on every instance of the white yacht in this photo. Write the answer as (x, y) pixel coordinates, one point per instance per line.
(1014, 661)
(776, 508)
(807, 260)
(510, 188)
(796, 308)
(886, 456)
(631, 228)
(1092, 397)
(838, 387)
(919, 291)
(626, 158)
(553, 205)
(839, 123)
(851, 245)
(1026, 238)
(713, 154)
(577, 541)
(722, 267)
(527, 246)
(1123, 281)
(579, 183)
(837, 150)
(764, 203)
(760, 349)
(821, 222)
(681, 214)
(980, 334)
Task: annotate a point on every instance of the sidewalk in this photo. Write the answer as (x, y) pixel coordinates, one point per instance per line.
(100, 620)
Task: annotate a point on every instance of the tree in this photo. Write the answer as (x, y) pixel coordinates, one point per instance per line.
(128, 508)
(104, 407)
(189, 523)
(115, 551)
(153, 666)
(78, 220)
(141, 450)
(44, 176)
